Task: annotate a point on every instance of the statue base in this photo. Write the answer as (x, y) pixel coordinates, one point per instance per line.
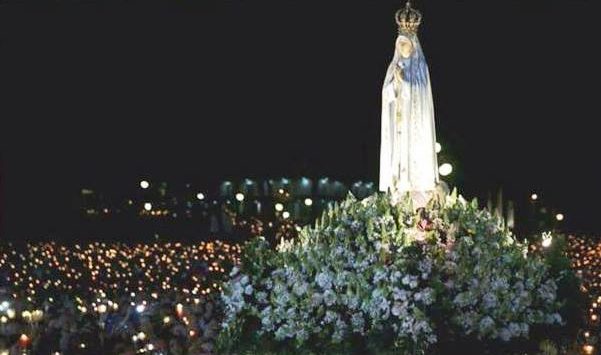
(422, 198)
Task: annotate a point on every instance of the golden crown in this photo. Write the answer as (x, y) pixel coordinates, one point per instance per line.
(408, 19)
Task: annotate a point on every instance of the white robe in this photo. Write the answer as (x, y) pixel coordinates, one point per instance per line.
(408, 160)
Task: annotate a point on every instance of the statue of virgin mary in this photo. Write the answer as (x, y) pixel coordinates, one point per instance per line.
(408, 162)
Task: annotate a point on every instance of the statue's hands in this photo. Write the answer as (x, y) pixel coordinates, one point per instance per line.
(398, 74)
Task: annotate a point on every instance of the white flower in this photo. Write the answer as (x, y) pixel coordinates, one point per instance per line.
(316, 299)
(340, 331)
(379, 276)
(400, 294)
(397, 308)
(358, 322)
(489, 300)
(330, 317)
(515, 329)
(282, 333)
(329, 297)
(486, 324)
(323, 280)
(395, 276)
(499, 284)
(505, 334)
(425, 296)
(299, 288)
(261, 297)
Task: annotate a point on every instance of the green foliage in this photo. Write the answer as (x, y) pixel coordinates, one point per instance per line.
(574, 301)
(377, 276)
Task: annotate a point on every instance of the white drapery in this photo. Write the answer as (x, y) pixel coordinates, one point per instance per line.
(408, 160)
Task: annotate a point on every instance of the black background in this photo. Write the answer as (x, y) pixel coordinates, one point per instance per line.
(102, 93)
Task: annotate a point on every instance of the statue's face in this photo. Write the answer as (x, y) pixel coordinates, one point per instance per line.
(404, 46)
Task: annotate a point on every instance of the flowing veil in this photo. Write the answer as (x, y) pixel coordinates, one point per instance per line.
(408, 159)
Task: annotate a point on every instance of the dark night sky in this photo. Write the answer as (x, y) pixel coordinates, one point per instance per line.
(100, 93)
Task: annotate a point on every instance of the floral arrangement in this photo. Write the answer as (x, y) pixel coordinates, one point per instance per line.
(378, 276)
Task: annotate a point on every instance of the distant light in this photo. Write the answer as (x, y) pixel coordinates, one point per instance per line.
(179, 309)
(140, 308)
(148, 206)
(547, 240)
(102, 308)
(82, 345)
(200, 196)
(11, 313)
(240, 196)
(445, 169)
(308, 202)
(438, 147)
(281, 191)
(144, 184)
(279, 207)
(286, 214)
(588, 349)
(560, 217)
(534, 197)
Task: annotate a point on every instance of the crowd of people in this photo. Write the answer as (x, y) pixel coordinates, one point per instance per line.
(585, 255)
(112, 298)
